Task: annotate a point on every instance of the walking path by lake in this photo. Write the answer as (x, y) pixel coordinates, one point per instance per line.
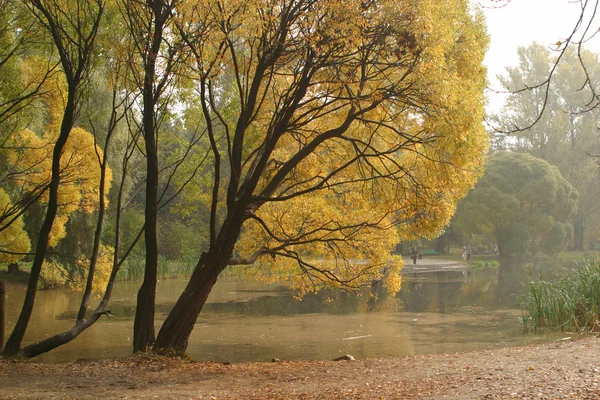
(432, 265)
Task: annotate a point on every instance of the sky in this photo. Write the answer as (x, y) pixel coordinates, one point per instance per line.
(519, 23)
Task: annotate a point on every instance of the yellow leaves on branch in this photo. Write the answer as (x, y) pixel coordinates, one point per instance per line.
(54, 274)
(342, 239)
(399, 169)
(53, 89)
(13, 239)
(31, 156)
(102, 271)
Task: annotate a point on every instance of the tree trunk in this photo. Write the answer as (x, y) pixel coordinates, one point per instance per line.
(58, 340)
(579, 232)
(441, 243)
(14, 341)
(96, 247)
(177, 328)
(143, 328)
(13, 268)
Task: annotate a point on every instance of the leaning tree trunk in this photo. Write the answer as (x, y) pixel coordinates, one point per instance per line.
(14, 341)
(177, 328)
(82, 323)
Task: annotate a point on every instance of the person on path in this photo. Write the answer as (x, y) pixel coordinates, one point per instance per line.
(414, 254)
(469, 251)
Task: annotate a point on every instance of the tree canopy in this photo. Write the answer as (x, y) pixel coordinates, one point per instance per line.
(523, 203)
(566, 133)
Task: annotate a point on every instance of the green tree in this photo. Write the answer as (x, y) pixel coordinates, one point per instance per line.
(521, 202)
(566, 132)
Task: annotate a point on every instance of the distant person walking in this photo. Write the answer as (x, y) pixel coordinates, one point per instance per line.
(414, 254)
(469, 251)
(464, 253)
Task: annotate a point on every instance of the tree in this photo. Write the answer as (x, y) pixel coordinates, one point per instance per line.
(333, 128)
(564, 135)
(72, 26)
(25, 86)
(523, 203)
(155, 58)
(14, 241)
(21, 78)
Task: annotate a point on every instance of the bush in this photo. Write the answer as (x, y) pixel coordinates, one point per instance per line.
(52, 275)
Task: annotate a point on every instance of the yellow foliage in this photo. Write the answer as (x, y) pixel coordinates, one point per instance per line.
(397, 170)
(14, 238)
(53, 89)
(102, 271)
(52, 275)
(31, 156)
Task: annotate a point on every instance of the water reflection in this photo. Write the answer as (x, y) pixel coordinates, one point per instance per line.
(434, 312)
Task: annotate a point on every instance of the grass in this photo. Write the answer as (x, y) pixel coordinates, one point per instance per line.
(481, 264)
(569, 303)
(577, 256)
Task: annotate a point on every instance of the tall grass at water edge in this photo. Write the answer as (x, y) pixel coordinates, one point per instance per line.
(569, 303)
(133, 268)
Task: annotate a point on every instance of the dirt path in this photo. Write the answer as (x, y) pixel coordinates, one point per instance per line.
(561, 370)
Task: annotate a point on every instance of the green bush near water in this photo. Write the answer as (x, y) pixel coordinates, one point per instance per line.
(570, 303)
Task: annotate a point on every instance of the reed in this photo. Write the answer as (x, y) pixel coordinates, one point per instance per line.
(133, 268)
(569, 303)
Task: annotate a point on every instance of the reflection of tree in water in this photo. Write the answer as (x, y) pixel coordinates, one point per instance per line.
(279, 302)
(479, 287)
(511, 279)
(325, 302)
(434, 291)
(495, 287)
(502, 285)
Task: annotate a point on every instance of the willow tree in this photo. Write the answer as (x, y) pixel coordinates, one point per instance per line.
(334, 128)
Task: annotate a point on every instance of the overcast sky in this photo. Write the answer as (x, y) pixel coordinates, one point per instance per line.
(519, 23)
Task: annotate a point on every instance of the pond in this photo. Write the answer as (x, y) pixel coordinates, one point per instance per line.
(434, 312)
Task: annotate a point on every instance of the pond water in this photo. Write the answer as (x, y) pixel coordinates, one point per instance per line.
(433, 313)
